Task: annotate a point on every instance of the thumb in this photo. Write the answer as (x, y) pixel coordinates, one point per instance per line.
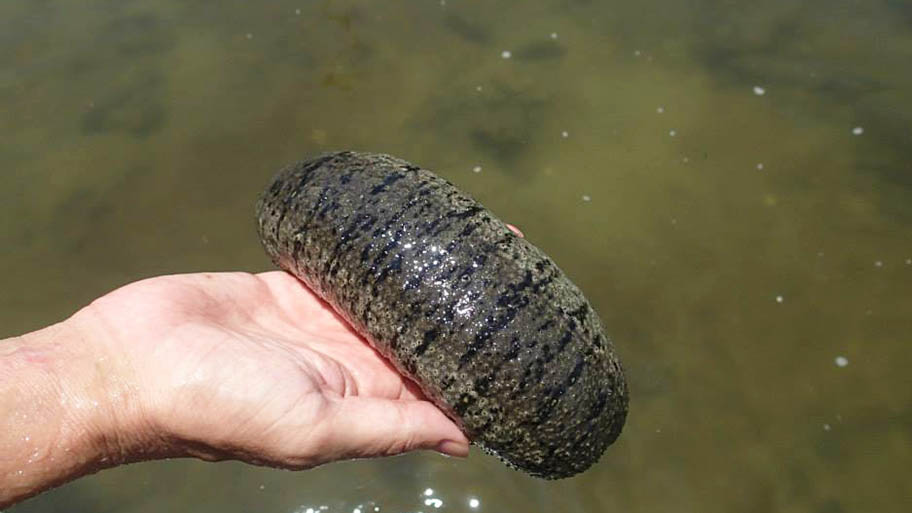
(359, 427)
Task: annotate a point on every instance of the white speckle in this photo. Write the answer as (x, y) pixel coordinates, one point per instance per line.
(878, 263)
(376, 508)
(554, 35)
(858, 130)
(909, 261)
(309, 510)
(672, 133)
(478, 88)
(433, 502)
(586, 197)
(685, 160)
(428, 492)
(760, 166)
(249, 36)
(674, 220)
(356, 510)
(476, 169)
(442, 2)
(407, 245)
(827, 427)
(759, 91)
(841, 361)
(637, 53)
(565, 134)
(660, 109)
(474, 503)
(506, 54)
(779, 299)
(262, 487)
(298, 11)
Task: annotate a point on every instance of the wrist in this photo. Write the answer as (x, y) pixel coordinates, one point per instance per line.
(106, 404)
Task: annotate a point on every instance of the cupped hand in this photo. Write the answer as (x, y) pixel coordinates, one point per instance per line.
(256, 368)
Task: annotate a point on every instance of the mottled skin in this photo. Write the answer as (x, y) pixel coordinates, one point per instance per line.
(486, 324)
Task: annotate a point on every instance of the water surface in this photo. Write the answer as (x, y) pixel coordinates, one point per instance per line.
(728, 181)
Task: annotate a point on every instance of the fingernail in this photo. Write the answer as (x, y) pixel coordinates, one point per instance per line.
(453, 448)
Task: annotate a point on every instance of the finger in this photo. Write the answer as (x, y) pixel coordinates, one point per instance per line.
(515, 230)
(364, 427)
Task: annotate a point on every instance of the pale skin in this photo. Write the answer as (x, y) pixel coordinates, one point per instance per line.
(217, 366)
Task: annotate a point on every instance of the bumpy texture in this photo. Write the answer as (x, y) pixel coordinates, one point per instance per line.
(483, 321)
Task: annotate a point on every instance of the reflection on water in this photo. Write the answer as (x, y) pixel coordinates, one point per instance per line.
(729, 182)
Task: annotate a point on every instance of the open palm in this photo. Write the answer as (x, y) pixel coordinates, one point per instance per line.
(257, 368)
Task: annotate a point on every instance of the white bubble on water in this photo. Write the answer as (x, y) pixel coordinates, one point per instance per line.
(858, 130)
(249, 36)
(298, 11)
(660, 109)
(476, 169)
(637, 53)
(759, 91)
(586, 197)
(826, 427)
(841, 361)
(428, 492)
(780, 299)
(760, 166)
(554, 35)
(878, 263)
(672, 133)
(506, 54)
(909, 261)
(565, 134)
(474, 503)
(435, 502)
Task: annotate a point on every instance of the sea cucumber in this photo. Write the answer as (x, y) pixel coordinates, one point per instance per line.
(483, 321)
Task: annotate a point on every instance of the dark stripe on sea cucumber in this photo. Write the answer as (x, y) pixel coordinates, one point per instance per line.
(429, 337)
(389, 180)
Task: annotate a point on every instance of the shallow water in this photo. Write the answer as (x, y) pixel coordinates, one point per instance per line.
(730, 183)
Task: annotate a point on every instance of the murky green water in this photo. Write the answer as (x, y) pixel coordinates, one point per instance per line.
(729, 181)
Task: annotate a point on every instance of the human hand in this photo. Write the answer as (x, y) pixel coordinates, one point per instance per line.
(255, 368)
